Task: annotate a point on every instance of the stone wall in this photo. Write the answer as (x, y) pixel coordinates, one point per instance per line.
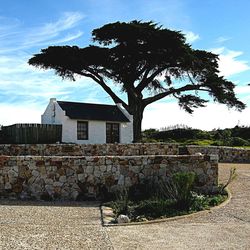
(74, 177)
(226, 154)
(89, 149)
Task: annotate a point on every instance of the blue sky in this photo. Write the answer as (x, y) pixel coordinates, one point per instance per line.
(28, 26)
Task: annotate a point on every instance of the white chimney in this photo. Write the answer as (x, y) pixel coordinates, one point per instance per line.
(52, 99)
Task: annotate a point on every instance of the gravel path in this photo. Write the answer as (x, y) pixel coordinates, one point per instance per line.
(46, 225)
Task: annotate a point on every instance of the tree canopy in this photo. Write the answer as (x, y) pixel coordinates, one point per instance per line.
(148, 62)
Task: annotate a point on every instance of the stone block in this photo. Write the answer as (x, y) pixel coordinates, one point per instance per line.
(128, 182)
(35, 173)
(7, 186)
(57, 184)
(69, 172)
(97, 173)
(80, 177)
(121, 180)
(103, 168)
(89, 170)
(48, 181)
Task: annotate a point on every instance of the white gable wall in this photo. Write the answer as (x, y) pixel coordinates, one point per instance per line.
(53, 113)
(126, 128)
(97, 129)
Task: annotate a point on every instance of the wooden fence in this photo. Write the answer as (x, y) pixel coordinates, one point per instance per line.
(31, 133)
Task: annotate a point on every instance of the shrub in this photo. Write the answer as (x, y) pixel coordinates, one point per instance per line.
(216, 200)
(183, 182)
(237, 141)
(178, 188)
(200, 202)
(155, 199)
(153, 208)
(120, 206)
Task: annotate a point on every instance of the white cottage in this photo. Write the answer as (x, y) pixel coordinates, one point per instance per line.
(90, 123)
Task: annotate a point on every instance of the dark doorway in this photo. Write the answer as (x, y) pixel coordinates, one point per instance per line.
(112, 133)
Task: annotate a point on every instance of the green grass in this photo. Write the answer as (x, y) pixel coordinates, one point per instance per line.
(203, 142)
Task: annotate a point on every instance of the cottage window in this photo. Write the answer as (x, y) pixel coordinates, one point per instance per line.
(82, 130)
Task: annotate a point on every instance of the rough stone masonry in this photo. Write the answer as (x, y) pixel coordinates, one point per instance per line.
(226, 154)
(73, 177)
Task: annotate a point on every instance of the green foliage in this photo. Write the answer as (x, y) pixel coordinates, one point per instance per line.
(242, 132)
(205, 142)
(179, 134)
(237, 136)
(163, 199)
(154, 208)
(215, 200)
(237, 141)
(122, 201)
(183, 183)
(199, 202)
(178, 188)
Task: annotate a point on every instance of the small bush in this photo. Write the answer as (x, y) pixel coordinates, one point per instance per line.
(122, 201)
(216, 200)
(237, 141)
(178, 188)
(153, 208)
(183, 183)
(199, 202)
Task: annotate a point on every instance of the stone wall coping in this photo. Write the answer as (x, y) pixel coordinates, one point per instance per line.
(219, 147)
(106, 156)
(83, 145)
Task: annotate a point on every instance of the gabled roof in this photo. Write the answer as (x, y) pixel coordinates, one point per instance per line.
(89, 111)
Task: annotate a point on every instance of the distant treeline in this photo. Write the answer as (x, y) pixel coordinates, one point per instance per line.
(237, 136)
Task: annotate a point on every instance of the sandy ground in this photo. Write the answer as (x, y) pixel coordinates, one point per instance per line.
(46, 225)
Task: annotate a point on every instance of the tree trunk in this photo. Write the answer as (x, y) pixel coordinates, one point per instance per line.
(136, 108)
(137, 121)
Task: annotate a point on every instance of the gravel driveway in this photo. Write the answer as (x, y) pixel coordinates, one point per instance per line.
(46, 225)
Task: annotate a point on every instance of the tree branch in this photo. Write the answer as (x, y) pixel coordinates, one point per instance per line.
(171, 91)
(98, 79)
(145, 81)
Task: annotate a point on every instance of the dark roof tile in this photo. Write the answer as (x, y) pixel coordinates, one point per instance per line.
(89, 111)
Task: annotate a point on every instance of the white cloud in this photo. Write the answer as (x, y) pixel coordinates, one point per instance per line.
(159, 115)
(191, 37)
(14, 37)
(21, 83)
(229, 64)
(45, 33)
(222, 39)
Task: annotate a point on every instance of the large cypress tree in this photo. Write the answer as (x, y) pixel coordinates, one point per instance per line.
(148, 62)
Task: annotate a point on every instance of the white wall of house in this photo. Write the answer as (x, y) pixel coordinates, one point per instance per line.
(126, 128)
(126, 132)
(96, 129)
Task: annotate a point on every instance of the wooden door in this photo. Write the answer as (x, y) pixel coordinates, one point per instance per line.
(112, 133)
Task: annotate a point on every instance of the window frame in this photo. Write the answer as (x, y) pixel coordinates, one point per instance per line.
(84, 132)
